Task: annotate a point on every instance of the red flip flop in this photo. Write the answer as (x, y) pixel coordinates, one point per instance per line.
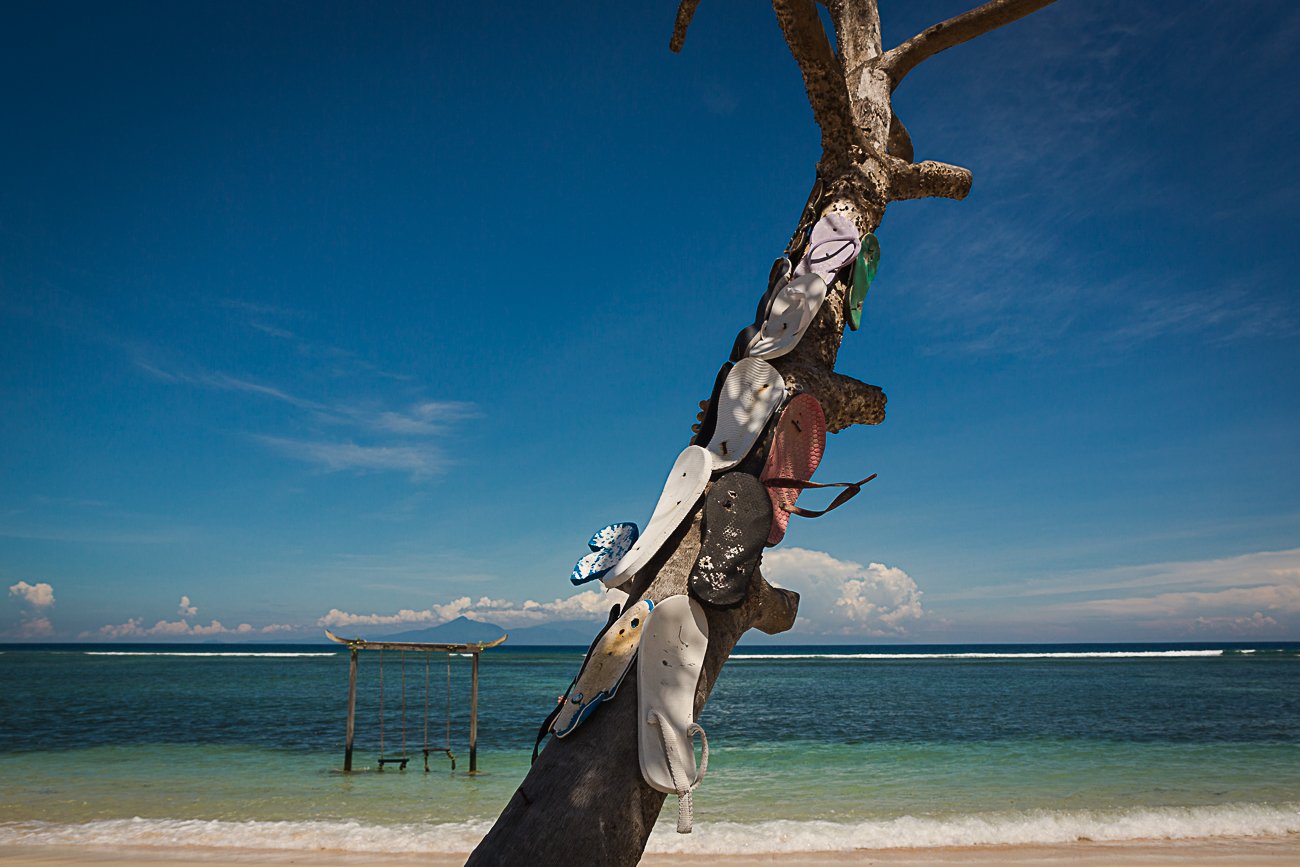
(797, 446)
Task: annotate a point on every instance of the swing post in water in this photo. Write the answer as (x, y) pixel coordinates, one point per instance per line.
(355, 645)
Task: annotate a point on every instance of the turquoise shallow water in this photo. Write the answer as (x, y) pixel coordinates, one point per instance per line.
(811, 748)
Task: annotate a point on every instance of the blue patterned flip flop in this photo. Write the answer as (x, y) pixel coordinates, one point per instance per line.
(608, 546)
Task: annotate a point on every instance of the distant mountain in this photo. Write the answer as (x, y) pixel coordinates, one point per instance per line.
(462, 630)
(579, 632)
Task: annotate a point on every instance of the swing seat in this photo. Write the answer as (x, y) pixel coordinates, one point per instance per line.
(400, 761)
(447, 750)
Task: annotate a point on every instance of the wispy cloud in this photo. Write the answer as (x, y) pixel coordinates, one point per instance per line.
(420, 461)
(399, 435)
(1257, 593)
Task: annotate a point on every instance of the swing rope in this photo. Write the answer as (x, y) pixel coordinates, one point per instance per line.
(402, 668)
(381, 708)
(428, 692)
(426, 704)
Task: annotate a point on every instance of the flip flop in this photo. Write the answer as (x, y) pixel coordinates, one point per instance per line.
(792, 311)
(607, 663)
(608, 546)
(668, 670)
(864, 273)
(737, 521)
(710, 419)
(797, 446)
(751, 393)
(777, 278)
(833, 244)
(683, 489)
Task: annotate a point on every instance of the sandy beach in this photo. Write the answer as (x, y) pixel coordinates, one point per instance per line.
(1221, 852)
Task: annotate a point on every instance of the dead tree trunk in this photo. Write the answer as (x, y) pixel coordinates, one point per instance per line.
(583, 801)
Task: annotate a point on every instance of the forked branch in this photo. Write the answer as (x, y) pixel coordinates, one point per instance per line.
(899, 61)
(822, 78)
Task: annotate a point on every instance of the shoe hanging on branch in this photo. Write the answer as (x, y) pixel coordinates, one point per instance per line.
(594, 795)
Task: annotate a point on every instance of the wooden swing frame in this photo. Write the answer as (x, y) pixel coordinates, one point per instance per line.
(356, 645)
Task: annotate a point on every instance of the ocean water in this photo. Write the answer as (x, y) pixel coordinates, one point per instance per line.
(811, 748)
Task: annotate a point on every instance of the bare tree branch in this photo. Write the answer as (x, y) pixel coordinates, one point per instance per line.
(685, 12)
(775, 607)
(845, 401)
(904, 58)
(927, 180)
(900, 141)
(857, 32)
(857, 38)
(822, 78)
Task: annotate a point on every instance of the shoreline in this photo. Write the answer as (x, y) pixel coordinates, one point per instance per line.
(1203, 852)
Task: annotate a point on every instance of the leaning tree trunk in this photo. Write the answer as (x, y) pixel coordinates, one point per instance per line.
(583, 801)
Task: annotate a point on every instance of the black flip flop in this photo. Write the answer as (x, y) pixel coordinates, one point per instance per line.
(737, 519)
(709, 423)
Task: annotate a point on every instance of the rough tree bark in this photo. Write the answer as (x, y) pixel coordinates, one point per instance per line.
(583, 801)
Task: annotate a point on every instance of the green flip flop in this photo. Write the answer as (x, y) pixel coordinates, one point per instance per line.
(864, 272)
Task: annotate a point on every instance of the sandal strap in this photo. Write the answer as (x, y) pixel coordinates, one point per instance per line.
(675, 760)
(851, 490)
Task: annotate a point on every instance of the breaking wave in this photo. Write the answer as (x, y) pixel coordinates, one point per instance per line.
(205, 653)
(1046, 654)
(906, 832)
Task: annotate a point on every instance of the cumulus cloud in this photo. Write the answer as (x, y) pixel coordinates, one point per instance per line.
(36, 627)
(588, 605)
(843, 597)
(40, 595)
(1237, 625)
(135, 627)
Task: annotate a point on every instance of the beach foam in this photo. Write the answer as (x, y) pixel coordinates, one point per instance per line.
(1042, 827)
(203, 653)
(1075, 654)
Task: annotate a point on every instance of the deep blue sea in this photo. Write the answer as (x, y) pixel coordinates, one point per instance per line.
(811, 748)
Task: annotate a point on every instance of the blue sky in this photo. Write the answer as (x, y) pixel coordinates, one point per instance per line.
(319, 313)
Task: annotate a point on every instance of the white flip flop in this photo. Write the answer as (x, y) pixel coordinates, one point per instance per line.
(669, 667)
(834, 243)
(752, 392)
(683, 489)
(793, 310)
(604, 668)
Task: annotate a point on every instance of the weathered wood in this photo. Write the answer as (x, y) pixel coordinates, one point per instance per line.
(473, 717)
(352, 709)
(584, 801)
(685, 12)
(356, 645)
(421, 646)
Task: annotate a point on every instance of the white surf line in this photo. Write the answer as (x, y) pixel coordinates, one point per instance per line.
(188, 653)
(1083, 654)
